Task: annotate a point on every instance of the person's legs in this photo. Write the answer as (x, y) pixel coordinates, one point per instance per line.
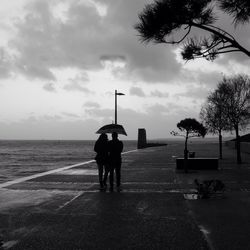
(118, 174)
(111, 178)
(106, 172)
(100, 174)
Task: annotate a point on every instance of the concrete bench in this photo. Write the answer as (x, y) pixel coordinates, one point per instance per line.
(198, 163)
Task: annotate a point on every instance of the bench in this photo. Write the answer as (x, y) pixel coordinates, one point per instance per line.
(198, 163)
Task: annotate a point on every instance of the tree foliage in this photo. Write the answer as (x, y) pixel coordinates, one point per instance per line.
(189, 127)
(213, 114)
(236, 100)
(161, 20)
(239, 9)
(234, 93)
(214, 117)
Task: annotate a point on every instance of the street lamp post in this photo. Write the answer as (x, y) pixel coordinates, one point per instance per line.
(116, 94)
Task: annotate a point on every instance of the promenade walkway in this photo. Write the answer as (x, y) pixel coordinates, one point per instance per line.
(65, 209)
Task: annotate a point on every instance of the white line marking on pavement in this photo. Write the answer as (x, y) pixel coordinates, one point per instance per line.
(202, 229)
(66, 203)
(8, 183)
(131, 151)
(136, 191)
(206, 233)
(22, 179)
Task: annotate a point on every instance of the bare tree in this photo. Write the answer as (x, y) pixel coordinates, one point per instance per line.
(162, 20)
(189, 127)
(236, 104)
(213, 115)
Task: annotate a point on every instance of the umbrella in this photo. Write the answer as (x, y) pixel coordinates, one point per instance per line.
(110, 128)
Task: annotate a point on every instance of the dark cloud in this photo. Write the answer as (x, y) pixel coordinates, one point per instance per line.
(44, 42)
(49, 87)
(136, 91)
(5, 63)
(34, 71)
(86, 39)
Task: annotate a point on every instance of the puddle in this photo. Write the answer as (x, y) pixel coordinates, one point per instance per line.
(141, 207)
(169, 218)
(191, 196)
(213, 196)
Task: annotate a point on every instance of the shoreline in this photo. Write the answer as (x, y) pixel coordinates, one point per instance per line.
(53, 171)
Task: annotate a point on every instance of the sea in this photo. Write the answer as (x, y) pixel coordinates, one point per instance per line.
(20, 158)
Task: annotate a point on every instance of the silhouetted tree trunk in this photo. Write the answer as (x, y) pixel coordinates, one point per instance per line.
(220, 144)
(186, 155)
(238, 145)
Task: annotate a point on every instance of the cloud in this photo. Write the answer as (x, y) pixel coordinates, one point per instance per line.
(80, 78)
(49, 87)
(113, 58)
(100, 113)
(74, 86)
(136, 91)
(157, 93)
(158, 119)
(196, 92)
(52, 117)
(84, 34)
(84, 39)
(71, 115)
(91, 104)
(49, 128)
(5, 63)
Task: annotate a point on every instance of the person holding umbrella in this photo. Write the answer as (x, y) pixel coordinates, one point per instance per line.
(102, 158)
(115, 147)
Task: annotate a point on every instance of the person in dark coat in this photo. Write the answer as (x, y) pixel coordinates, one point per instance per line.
(101, 149)
(115, 147)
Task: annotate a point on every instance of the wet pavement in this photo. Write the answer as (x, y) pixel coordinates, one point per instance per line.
(64, 209)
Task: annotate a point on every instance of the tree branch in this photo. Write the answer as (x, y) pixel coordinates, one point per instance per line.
(216, 32)
(181, 40)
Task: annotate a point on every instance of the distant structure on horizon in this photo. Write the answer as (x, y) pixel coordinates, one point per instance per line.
(142, 140)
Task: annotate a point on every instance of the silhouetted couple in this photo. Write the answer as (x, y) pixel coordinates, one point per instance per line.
(108, 159)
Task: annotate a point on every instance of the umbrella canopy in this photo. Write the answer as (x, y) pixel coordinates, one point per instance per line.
(110, 128)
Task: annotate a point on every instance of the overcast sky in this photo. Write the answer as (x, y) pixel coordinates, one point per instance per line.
(61, 61)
